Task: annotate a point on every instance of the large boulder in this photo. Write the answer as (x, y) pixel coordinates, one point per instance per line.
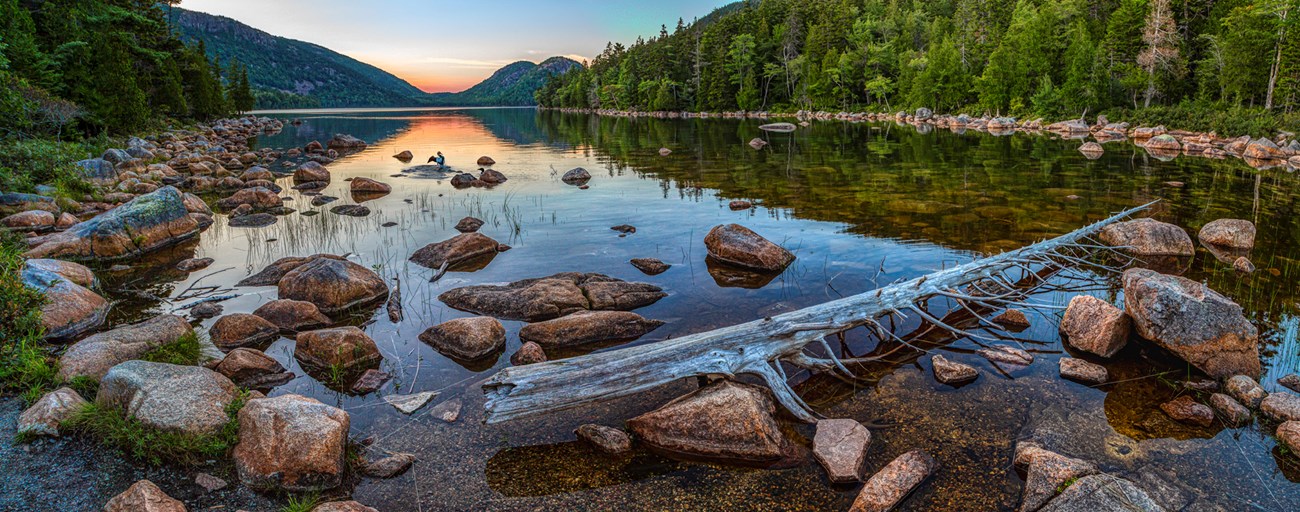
(368, 186)
(271, 275)
(75, 272)
(1163, 142)
(93, 356)
(183, 399)
(455, 250)
(97, 170)
(311, 172)
(144, 496)
(586, 327)
(333, 285)
(242, 330)
(550, 297)
(45, 415)
(70, 308)
(252, 369)
(345, 141)
(889, 486)
(737, 245)
(467, 339)
(292, 315)
(347, 349)
(726, 421)
(1192, 321)
(1148, 237)
(1095, 326)
(1229, 233)
(146, 223)
(291, 443)
(1263, 149)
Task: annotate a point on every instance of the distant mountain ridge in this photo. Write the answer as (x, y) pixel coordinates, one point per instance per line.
(286, 73)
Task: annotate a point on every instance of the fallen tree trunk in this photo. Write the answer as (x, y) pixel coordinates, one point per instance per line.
(759, 347)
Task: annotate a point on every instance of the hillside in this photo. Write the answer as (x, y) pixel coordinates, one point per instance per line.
(512, 85)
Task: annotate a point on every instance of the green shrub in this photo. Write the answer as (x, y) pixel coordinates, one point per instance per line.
(24, 164)
(25, 365)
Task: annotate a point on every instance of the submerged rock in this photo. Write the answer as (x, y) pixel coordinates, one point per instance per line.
(253, 369)
(840, 446)
(952, 373)
(408, 404)
(586, 327)
(455, 250)
(255, 220)
(650, 266)
(370, 381)
(887, 488)
(146, 223)
(350, 210)
(1192, 321)
(1095, 326)
(291, 443)
(606, 439)
(1083, 371)
(388, 467)
(194, 264)
(467, 339)
(1046, 474)
(183, 399)
(737, 245)
(448, 411)
(725, 421)
(551, 297)
(93, 356)
(1102, 493)
(1187, 410)
(1230, 233)
(347, 349)
(144, 496)
(333, 285)
(242, 330)
(45, 415)
(1148, 237)
(1006, 356)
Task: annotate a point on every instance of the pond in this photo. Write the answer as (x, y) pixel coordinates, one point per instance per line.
(861, 205)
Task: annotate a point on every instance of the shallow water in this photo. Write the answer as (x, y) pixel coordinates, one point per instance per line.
(861, 205)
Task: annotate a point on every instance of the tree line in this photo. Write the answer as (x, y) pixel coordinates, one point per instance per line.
(105, 66)
(1050, 58)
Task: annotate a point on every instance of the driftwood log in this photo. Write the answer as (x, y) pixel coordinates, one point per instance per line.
(760, 347)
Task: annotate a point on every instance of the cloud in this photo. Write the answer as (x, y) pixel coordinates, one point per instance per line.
(453, 62)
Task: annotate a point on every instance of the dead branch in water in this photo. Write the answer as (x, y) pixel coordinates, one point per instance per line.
(759, 347)
(394, 305)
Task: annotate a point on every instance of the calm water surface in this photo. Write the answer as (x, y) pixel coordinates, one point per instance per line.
(861, 205)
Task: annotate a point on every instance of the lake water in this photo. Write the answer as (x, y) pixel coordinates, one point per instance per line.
(861, 205)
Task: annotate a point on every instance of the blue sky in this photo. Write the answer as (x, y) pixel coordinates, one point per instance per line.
(449, 46)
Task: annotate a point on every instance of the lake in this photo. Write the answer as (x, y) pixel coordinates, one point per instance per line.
(861, 206)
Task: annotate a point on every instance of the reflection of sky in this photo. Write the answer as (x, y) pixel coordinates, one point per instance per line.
(450, 46)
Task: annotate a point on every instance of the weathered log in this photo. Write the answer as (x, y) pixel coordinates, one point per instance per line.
(758, 347)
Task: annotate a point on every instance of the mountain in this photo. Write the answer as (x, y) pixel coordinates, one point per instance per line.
(512, 85)
(287, 73)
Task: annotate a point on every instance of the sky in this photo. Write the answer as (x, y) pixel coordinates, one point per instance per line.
(442, 46)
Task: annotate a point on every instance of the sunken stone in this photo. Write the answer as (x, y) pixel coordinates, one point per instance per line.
(1046, 473)
(410, 403)
(1006, 356)
(1083, 371)
(889, 486)
(448, 411)
(388, 467)
(840, 446)
(370, 381)
(725, 422)
(606, 439)
(587, 327)
(467, 339)
(952, 373)
(1187, 410)
(1102, 493)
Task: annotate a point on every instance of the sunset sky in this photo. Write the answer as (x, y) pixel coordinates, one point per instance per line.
(449, 46)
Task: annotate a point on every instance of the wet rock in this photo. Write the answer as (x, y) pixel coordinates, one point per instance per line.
(1290, 381)
(1263, 149)
(1187, 410)
(343, 506)
(1288, 434)
(467, 339)
(1091, 150)
(252, 369)
(469, 225)
(1007, 357)
(260, 198)
(1232, 412)
(737, 245)
(369, 186)
(33, 220)
(45, 415)
(1012, 318)
(606, 439)
(952, 373)
(310, 172)
(206, 310)
(291, 443)
(93, 356)
(486, 161)
(1164, 142)
(350, 210)
(626, 229)
(272, 274)
(458, 249)
(333, 285)
(194, 264)
(462, 180)
(1192, 321)
(529, 353)
(183, 399)
(550, 297)
(144, 496)
(1083, 371)
(840, 446)
(404, 156)
(1243, 265)
(1281, 406)
(1102, 493)
(346, 142)
(1046, 474)
(388, 467)
(576, 176)
(311, 185)
(757, 143)
(492, 177)
(347, 349)
(1230, 233)
(408, 404)
(292, 315)
(255, 220)
(740, 204)
(586, 327)
(887, 488)
(146, 223)
(209, 483)
(70, 308)
(1095, 326)
(1245, 390)
(448, 411)
(725, 421)
(1148, 237)
(650, 266)
(242, 330)
(371, 381)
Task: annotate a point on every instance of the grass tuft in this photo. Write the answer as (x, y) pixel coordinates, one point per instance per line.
(113, 428)
(302, 503)
(185, 351)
